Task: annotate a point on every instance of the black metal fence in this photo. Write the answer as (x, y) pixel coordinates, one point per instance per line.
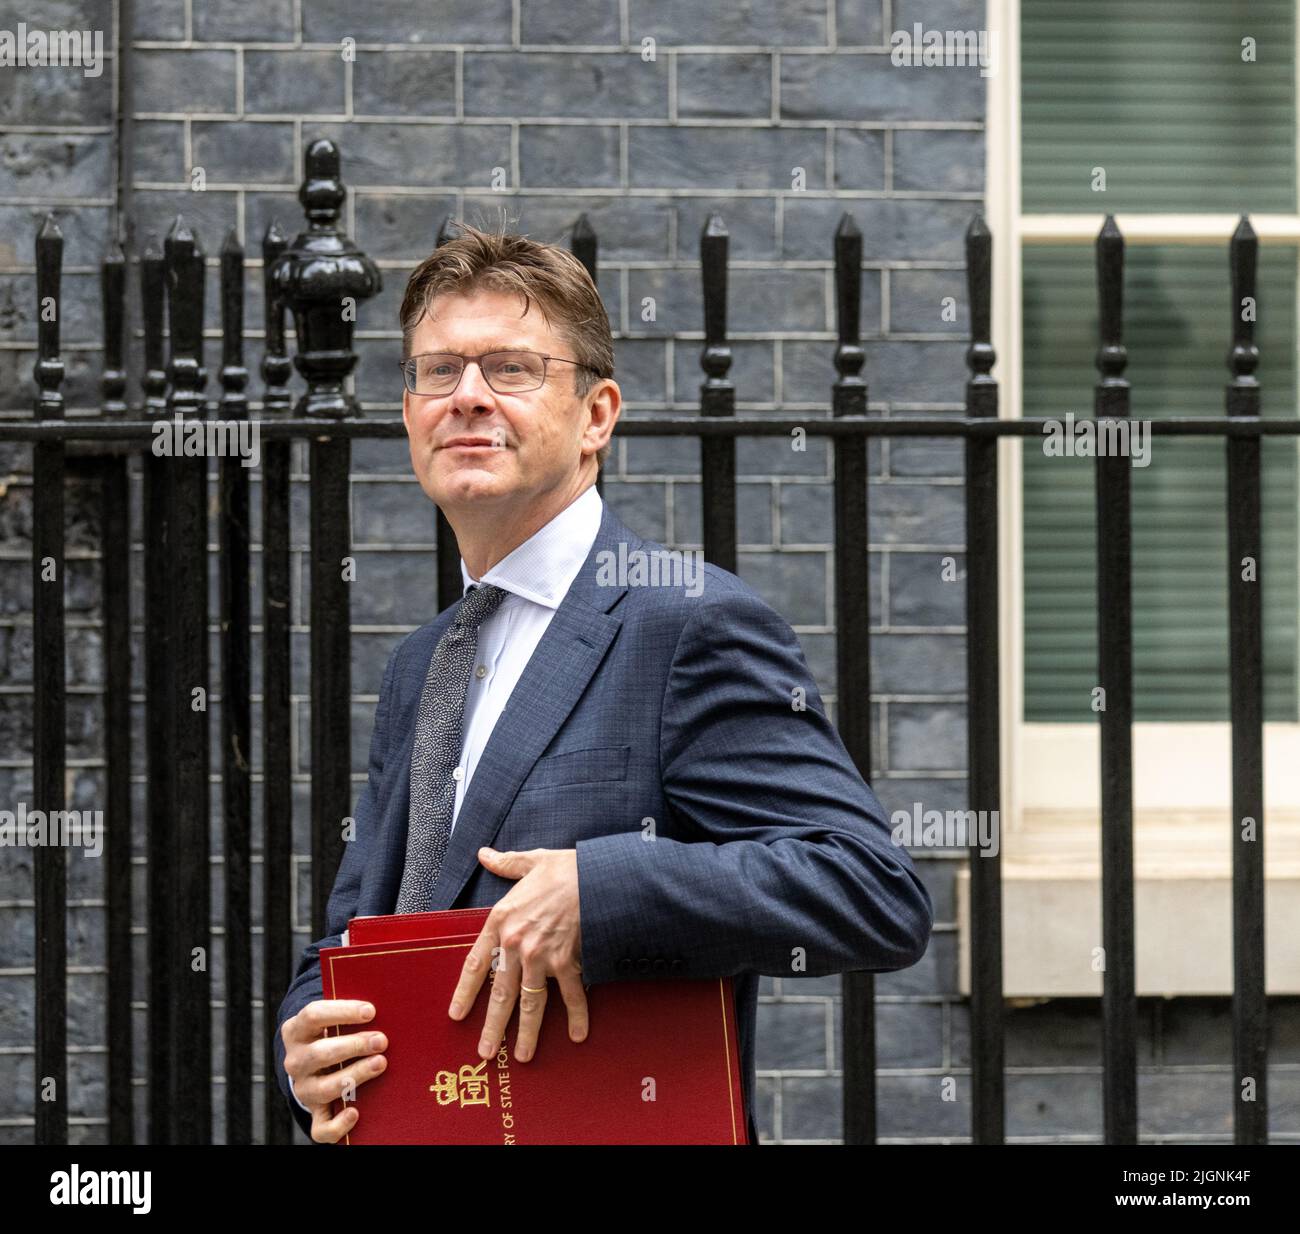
(314, 278)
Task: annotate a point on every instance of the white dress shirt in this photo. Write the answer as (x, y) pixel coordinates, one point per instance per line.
(537, 575)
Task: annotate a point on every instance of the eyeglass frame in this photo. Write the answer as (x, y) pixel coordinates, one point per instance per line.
(408, 377)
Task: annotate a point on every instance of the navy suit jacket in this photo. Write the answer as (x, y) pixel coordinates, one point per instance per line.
(770, 853)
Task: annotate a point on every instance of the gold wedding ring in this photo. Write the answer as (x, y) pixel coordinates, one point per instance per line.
(530, 989)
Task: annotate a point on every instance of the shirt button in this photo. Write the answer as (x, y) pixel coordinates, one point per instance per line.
(458, 773)
(481, 671)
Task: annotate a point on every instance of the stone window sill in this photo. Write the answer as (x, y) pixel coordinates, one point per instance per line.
(1051, 903)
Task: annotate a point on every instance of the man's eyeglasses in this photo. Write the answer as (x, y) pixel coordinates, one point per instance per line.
(438, 373)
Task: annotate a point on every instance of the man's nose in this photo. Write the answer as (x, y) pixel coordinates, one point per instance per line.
(473, 391)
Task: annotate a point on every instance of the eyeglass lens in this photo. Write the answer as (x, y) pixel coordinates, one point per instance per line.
(506, 372)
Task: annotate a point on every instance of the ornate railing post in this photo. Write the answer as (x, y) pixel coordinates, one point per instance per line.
(988, 1045)
(853, 647)
(236, 711)
(157, 501)
(277, 768)
(190, 1086)
(1246, 668)
(1115, 678)
(50, 877)
(321, 277)
(115, 596)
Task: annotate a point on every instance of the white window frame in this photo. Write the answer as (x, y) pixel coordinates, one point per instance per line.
(1050, 774)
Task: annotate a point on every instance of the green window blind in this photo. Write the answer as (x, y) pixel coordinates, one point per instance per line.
(1176, 322)
(1158, 95)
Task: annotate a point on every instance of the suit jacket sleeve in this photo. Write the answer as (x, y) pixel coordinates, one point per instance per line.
(789, 868)
(306, 986)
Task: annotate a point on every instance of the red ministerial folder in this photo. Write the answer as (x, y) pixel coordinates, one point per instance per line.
(660, 1064)
(397, 926)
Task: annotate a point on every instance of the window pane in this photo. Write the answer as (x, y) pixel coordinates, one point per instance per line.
(1158, 95)
(1177, 319)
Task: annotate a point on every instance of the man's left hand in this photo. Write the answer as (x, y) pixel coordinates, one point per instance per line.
(533, 933)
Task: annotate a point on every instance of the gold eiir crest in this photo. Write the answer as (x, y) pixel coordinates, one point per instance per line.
(469, 1086)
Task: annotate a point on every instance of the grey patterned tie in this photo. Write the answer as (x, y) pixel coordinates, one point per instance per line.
(437, 747)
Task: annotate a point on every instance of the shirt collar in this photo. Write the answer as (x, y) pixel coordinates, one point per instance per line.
(544, 566)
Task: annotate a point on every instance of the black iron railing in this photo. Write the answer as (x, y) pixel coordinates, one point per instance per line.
(312, 278)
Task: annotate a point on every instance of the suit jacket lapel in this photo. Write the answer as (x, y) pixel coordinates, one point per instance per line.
(567, 655)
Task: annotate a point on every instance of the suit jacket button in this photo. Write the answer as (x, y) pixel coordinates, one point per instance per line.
(677, 966)
(661, 965)
(625, 964)
(643, 964)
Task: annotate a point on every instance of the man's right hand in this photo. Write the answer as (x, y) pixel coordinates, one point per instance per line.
(310, 1059)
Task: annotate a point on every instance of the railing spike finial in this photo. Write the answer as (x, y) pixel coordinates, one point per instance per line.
(183, 257)
(112, 281)
(180, 232)
(850, 392)
(322, 193)
(49, 273)
(276, 365)
(234, 376)
(1243, 260)
(49, 233)
(715, 359)
(1112, 355)
(153, 301)
(980, 356)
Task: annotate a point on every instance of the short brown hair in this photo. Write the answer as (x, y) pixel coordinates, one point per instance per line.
(544, 274)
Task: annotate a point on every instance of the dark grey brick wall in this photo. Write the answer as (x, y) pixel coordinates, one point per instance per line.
(780, 114)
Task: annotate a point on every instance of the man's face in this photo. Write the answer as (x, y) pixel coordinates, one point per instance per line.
(529, 444)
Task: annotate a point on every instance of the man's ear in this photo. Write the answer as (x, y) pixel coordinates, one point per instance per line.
(605, 406)
(406, 407)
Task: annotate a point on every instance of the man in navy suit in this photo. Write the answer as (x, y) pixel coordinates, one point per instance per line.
(645, 781)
